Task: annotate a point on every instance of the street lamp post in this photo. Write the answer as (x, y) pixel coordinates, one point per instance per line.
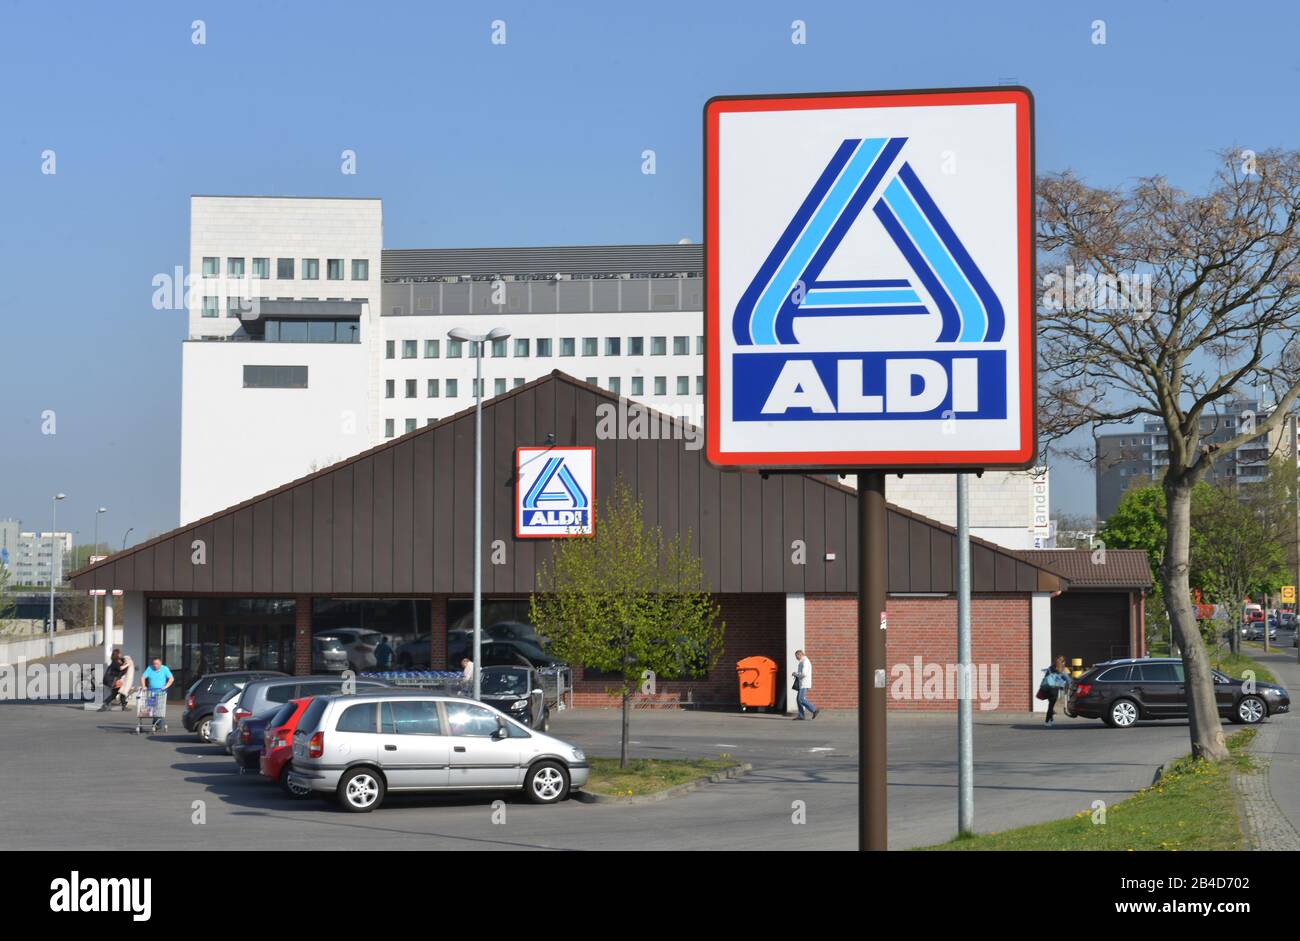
(54, 527)
(94, 601)
(480, 342)
(124, 535)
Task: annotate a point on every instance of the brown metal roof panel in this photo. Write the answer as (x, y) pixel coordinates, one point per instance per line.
(404, 516)
(363, 526)
(385, 511)
(264, 546)
(282, 526)
(422, 515)
(342, 569)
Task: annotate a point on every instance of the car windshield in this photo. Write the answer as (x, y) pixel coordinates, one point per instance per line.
(504, 682)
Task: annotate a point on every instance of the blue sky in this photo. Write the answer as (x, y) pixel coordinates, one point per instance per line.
(534, 142)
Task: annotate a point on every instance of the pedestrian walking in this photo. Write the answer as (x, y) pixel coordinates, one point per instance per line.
(112, 673)
(467, 674)
(383, 654)
(122, 685)
(803, 680)
(1055, 683)
(157, 675)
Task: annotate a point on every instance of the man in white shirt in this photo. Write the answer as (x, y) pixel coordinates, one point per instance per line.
(803, 677)
(467, 673)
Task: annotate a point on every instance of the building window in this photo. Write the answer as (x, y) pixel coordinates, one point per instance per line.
(388, 427)
(389, 388)
(275, 377)
(658, 346)
(334, 269)
(410, 349)
(699, 346)
(390, 349)
(699, 385)
(517, 383)
(589, 346)
(210, 306)
(543, 347)
(410, 388)
(638, 385)
(410, 425)
(233, 306)
(433, 388)
(499, 387)
(311, 269)
(454, 348)
(615, 384)
(683, 385)
(661, 385)
(636, 346)
(360, 269)
(211, 266)
(567, 346)
(681, 346)
(451, 388)
(521, 347)
(498, 349)
(431, 349)
(593, 381)
(613, 346)
(261, 268)
(235, 267)
(284, 269)
(477, 386)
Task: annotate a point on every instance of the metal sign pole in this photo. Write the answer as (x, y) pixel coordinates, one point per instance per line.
(965, 742)
(873, 572)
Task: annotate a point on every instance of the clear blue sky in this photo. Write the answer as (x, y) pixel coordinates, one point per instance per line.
(534, 142)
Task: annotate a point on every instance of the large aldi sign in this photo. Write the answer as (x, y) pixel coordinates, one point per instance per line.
(555, 491)
(870, 280)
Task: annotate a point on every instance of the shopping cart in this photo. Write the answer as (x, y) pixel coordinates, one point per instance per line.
(151, 708)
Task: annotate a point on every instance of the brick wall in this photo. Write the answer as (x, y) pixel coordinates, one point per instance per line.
(924, 628)
(438, 632)
(755, 626)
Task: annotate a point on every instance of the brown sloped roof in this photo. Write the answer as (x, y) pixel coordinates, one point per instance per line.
(1089, 568)
(396, 519)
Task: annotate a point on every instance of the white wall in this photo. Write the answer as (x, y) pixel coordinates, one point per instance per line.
(237, 443)
(533, 327)
(794, 640)
(1006, 507)
(1040, 643)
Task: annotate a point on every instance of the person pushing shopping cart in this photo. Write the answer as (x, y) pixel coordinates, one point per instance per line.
(154, 683)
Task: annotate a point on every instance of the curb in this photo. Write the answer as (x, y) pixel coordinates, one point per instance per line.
(677, 790)
(1266, 827)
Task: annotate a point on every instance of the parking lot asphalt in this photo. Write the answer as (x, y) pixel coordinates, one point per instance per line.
(79, 780)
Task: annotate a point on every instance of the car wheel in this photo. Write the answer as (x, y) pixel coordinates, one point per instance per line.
(1122, 714)
(1251, 710)
(296, 791)
(361, 791)
(547, 783)
(204, 729)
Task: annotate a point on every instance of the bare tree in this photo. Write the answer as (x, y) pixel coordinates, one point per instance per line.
(1165, 305)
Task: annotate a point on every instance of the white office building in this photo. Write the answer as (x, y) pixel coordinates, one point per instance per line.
(33, 558)
(309, 342)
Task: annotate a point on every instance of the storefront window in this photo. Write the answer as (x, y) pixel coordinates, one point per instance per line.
(508, 638)
(196, 636)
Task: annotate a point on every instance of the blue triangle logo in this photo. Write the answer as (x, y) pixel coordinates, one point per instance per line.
(788, 286)
(555, 488)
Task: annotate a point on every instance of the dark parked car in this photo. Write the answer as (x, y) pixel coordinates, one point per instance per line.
(208, 691)
(249, 738)
(1120, 692)
(517, 692)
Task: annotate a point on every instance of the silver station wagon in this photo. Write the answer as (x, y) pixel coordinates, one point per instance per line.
(359, 747)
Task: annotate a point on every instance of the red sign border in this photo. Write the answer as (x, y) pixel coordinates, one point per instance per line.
(1020, 458)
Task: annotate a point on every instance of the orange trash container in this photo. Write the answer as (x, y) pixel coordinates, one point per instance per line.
(757, 676)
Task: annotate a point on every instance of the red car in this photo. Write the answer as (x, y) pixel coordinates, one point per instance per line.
(277, 747)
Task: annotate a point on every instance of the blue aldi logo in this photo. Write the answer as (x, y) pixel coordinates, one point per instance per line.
(870, 280)
(554, 491)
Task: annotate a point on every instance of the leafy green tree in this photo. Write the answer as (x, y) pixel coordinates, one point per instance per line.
(628, 602)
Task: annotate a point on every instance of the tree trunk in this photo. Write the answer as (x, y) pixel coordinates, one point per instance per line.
(1202, 711)
(622, 751)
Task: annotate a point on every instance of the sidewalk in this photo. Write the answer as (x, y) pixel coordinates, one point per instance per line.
(1277, 746)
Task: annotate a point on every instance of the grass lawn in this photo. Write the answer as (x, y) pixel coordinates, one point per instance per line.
(1192, 807)
(648, 775)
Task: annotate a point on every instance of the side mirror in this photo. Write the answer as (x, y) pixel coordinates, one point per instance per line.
(539, 692)
(501, 731)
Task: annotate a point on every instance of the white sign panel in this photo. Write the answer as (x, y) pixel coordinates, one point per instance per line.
(870, 280)
(555, 492)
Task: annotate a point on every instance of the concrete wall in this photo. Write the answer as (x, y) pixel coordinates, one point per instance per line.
(1009, 508)
(64, 642)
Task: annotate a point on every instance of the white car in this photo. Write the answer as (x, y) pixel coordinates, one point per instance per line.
(223, 718)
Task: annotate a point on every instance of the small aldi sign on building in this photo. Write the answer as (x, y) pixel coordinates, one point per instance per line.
(555, 492)
(870, 292)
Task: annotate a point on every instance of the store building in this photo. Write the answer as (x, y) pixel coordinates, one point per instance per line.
(383, 541)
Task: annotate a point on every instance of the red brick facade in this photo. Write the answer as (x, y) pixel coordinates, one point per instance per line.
(755, 627)
(302, 635)
(924, 628)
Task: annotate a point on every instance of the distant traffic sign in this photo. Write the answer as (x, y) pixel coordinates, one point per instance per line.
(870, 280)
(1288, 594)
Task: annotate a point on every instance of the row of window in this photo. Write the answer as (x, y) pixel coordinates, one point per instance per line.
(284, 268)
(526, 347)
(235, 305)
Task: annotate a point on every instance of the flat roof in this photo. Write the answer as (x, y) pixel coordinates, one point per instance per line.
(667, 259)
